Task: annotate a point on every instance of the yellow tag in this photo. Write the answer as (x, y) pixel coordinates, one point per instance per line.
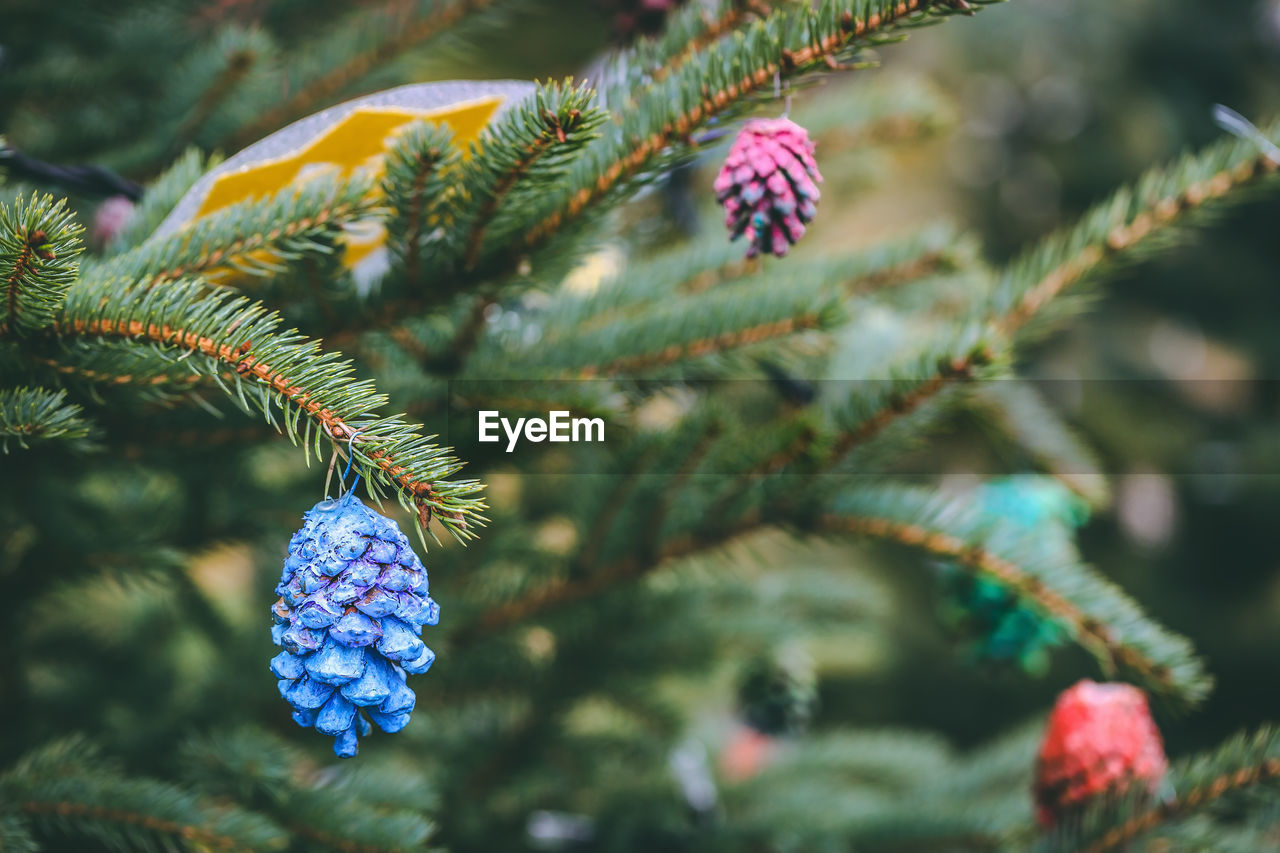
(343, 139)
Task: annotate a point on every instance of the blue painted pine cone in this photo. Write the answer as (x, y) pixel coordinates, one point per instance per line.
(353, 600)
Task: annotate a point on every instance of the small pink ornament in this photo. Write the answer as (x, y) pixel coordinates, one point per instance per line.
(769, 185)
(109, 220)
(746, 754)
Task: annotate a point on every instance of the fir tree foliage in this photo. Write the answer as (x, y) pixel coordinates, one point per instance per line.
(38, 414)
(37, 261)
(580, 617)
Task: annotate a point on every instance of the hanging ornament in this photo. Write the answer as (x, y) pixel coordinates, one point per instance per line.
(769, 185)
(109, 220)
(1100, 741)
(1032, 501)
(998, 624)
(778, 692)
(353, 600)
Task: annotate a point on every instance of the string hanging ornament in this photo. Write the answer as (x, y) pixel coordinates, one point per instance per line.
(353, 602)
(768, 185)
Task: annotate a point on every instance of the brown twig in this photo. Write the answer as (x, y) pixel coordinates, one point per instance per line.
(1090, 633)
(23, 266)
(246, 364)
(554, 131)
(1138, 824)
(187, 832)
(238, 64)
(1147, 222)
(703, 346)
(903, 404)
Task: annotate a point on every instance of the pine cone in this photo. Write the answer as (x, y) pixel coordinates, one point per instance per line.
(109, 220)
(778, 693)
(1032, 501)
(1101, 740)
(353, 600)
(768, 185)
(999, 625)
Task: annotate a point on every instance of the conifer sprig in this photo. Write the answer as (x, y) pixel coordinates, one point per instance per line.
(718, 82)
(518, 157)
(39, 250)
(1043, 570)
(37, 414)
(417, 183)
(1131, 224)
(129, 365)
(1244, 765)
(315, 390)
(690, 29)
(218, 72)
(67, 790)
(253, 238)
(700, 325)
(359, 812)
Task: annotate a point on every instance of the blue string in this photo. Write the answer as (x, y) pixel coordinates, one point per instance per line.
(351, 457)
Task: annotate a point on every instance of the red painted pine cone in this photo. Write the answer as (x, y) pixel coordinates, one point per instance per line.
(1101, 740)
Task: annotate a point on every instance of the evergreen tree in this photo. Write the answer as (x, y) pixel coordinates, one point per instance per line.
(760, 414)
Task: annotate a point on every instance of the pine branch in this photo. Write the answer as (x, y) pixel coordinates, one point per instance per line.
(37, 414)
(1030, 285)
(1042, 570)
(508, 173)
(419, 170)
(217, 72)
(131, 365)
(692, 30)
(1240, 767)
(565, 592)
(769, 454)
(1022, 414)
(287, 370)
(1133, 222)
(255, 238)
(893, 402)
(65, 790)
(712, 323)
(907, 259)
(39, 247)
(391, 35)
(559, 122)
(711, 264)
(715, 83)
(15, 836)
(346, 813)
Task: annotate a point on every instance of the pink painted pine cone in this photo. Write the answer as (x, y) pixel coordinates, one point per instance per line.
(769, 185)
